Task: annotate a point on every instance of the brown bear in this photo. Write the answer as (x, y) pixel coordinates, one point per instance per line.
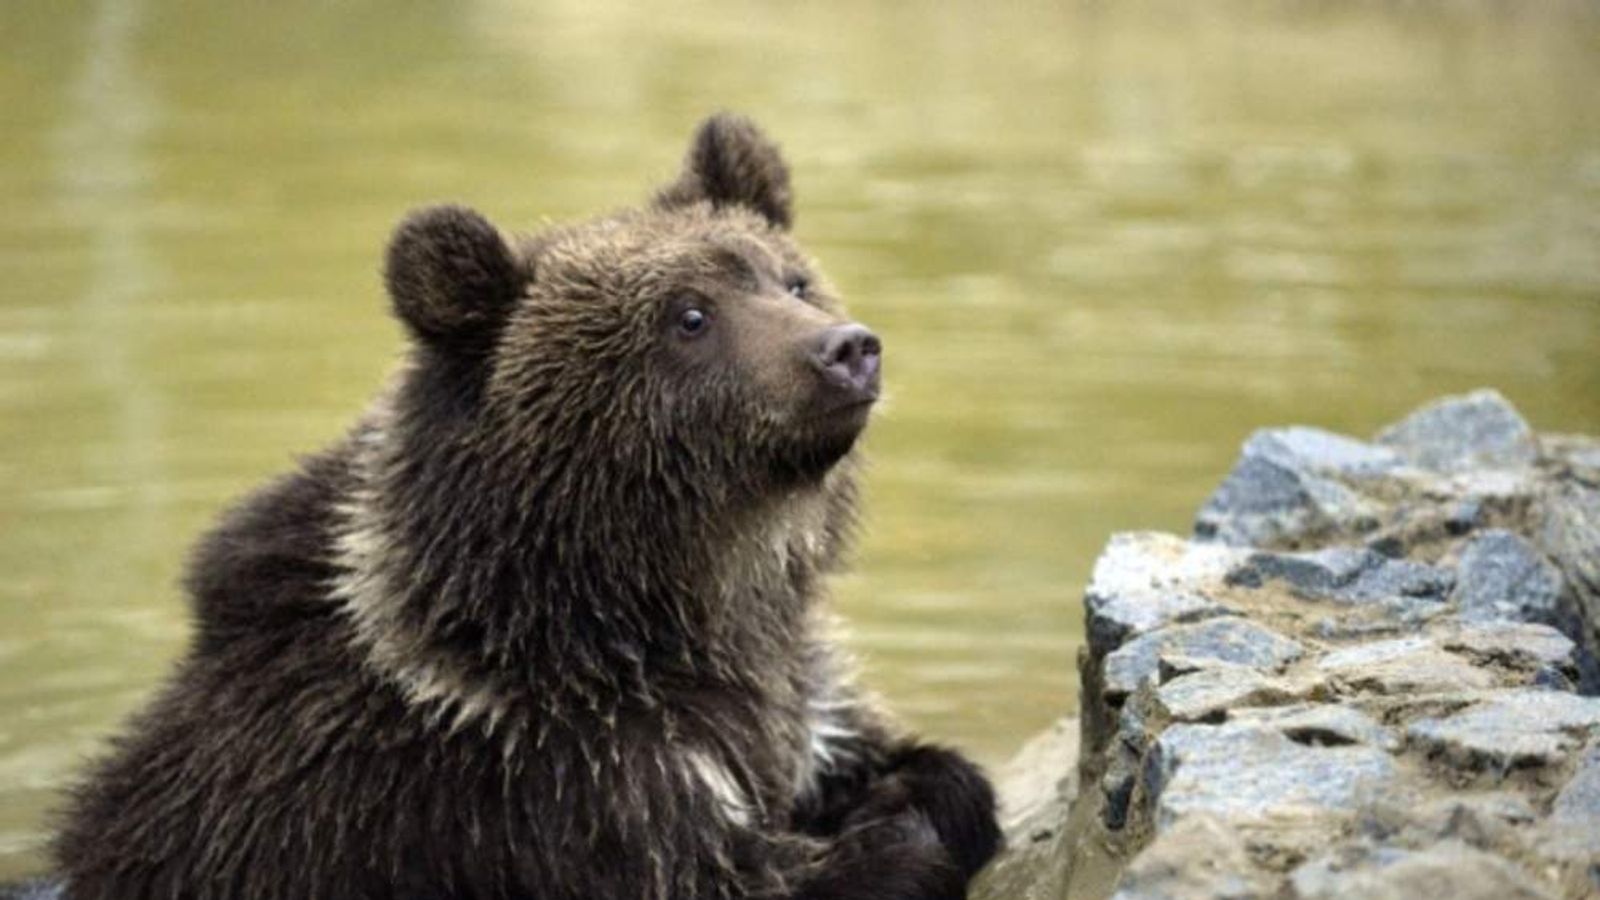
(548, 623)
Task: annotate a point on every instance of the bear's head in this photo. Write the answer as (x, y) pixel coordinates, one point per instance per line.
(686, 347)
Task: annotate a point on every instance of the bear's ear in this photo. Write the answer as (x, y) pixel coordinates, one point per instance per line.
(451, 276)
(731, 163)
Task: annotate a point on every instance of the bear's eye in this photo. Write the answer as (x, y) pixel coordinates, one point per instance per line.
(693, 321)
(799, 287)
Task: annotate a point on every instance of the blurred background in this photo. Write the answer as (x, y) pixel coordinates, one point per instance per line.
(1102, 242)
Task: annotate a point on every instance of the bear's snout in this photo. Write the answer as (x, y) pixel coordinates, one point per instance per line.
(849, 357)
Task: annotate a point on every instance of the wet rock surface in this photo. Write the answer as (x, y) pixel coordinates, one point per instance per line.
(1370, 673)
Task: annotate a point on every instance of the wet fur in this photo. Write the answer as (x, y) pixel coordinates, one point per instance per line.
(548, 623)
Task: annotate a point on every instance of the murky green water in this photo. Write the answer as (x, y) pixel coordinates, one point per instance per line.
(1102, 242)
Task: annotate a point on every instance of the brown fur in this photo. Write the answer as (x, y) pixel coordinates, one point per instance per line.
(546, 625)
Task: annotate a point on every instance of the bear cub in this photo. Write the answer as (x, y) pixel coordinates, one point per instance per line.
(548, 623)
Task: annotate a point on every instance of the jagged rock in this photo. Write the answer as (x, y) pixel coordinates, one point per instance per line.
(1208, 693)
(1570, 534)
(1344, 575)
(1513, 644)
(1321, 724)
(1036, 789)
(1145, 580)
(1288, 485)
(1573, 830)
(32, 890)
(1578, 804)
(1227, 640)
(1404, 665)
(1476, 430)
(1513, 728)
(1358, 681)
(1446, 871)
(1501, 576)
(1245, 772)
(1474, 818)
(1200, 858)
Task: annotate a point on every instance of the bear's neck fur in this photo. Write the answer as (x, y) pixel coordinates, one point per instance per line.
(596, 589)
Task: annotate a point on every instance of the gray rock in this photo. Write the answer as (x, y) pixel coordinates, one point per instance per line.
(1325, 875)
(1116, 786)
(1289, 483)
(1199, 858)
(1449, 870)
(1324, 452)
(1484, 820)
(1521, 645)
(1144, 580)
(1248, 772)
(1036, 789)
(1321, 725)
(1579, 453)
(1449, 814)
(40, 889)
(1344, 575)
(1227, 640)
(1570, 534)
(1374, 653)
(1501, 576)
(1476, 430)
(1211, 692)
(1573, 830)
(1514, 728)
(1403, 666)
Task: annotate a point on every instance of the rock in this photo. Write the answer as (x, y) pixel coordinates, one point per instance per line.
(1363, 626)
(1365, 677)
(1248, 772)
(1447, 871)
(1573, 830)
(1199, 858)
(1518, 645)
(1344, 575)
(1209, 693)
(1501, 576)
(1471, 431)
(33, 890)
(1036, 789)
(1484, 821)
(1570, 535)
(1577, 453)
(1227, 640)
(1321, 725)
(1145, 580)
(1288, 485)
(1578, 804)
(1509, 729)
(1374, 653)
(1403, 666)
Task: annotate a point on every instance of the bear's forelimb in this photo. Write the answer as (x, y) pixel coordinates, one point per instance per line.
(943, 786)
(881, 782)
(895, 858)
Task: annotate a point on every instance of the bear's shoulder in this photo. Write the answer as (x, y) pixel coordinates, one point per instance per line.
(268, 561)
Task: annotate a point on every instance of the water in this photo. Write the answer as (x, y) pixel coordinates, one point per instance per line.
(1102, 243)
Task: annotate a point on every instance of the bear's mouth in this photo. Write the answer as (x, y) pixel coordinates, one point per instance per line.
(849, 414)
(827, 436)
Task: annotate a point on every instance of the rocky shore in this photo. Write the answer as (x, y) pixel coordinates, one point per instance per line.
(1370, 672)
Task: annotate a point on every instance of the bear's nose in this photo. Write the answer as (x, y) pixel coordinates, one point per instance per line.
(849, 356)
